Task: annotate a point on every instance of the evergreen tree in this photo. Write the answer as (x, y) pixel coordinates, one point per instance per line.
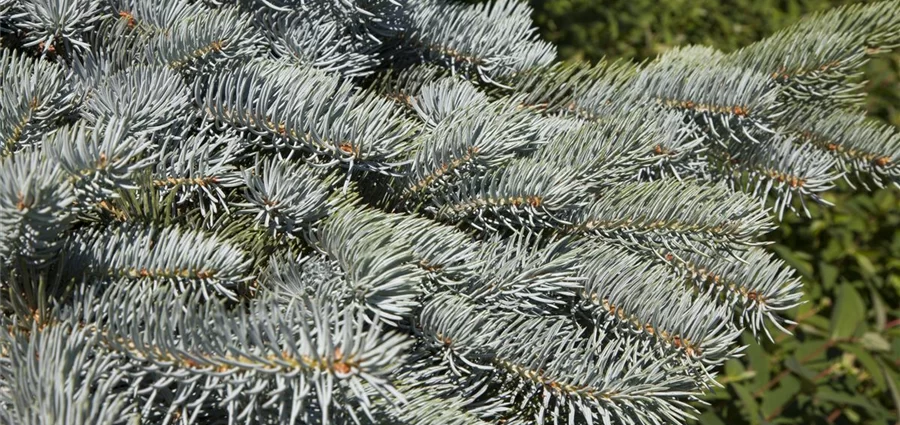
(386, 211)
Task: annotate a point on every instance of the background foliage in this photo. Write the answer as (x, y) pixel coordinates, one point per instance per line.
(840, 366)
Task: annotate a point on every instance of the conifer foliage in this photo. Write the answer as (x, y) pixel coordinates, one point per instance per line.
(399, 211)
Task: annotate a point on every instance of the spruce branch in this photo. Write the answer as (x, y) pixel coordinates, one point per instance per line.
(35, 207)
(319, 41)
(99, 158)
(147, 203)
(605, 152)
(551, 128)
(585, 92)
(437, 100)
(728, 101)
(865, 149)
(675, 214)
(551, 373)
(204, 39)
(690, 55)
(63, 375)
(374, 21)
(516, 241)
(284, 197)
(782, 166)
(298, 361)
(489, 41)
(447, 255)
(150, 98)
(263, 249)
(379, 269)
(401, 85)
(551, 88)
(187, 260)
(308, 111)
(56, 27)
(647, 299)
(315, 277)
(155, 17)
(115, 46)
(680, 150)
(525, 275)
(815, 57)
(32, 292)
(469, 141)
(33, 96)
(760, 286)
(200, 169)
(424, 407)
(523, 195)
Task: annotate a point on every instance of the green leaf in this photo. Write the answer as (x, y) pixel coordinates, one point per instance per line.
(832, 252)
(759, 362)
(735, 372)
(829, 274)
(849, 312)
(733, 368)
(875, 342)
(820, 322)
(868, 362)
(750, 407)
(840, 398)
(710, 418)
(811, 350)
(866, 266)
(781, 395)
(879, 308)
(798, 260)
(799, 369)
(892, 381)
(852, 415)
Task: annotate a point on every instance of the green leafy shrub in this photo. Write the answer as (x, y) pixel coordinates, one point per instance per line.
(643, 29)
(841, 363)
(406, 212)
(591, 30)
